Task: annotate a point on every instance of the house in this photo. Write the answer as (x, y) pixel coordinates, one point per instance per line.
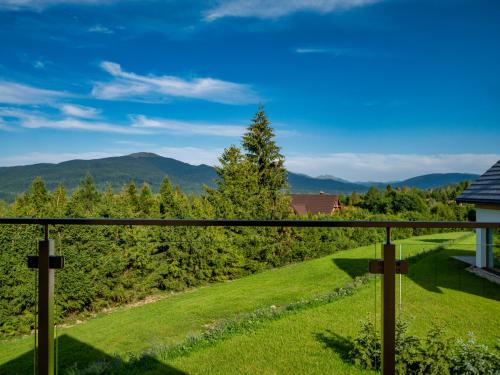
(484, 193)
(314, 204)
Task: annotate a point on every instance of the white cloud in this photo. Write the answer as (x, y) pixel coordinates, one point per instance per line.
(77, 124)
(135, 143)
(341, 52)
(38, 64)
(35, 120)
(79, 111)
(83, 118)
(191, 155)
(331, 51)
(388, 167)
(101, 29)
(311, 50)
(186, 127)
(42, 4)
(131, 86)
(16, 93)
(41, 157)
(4, 126)
(279, 8)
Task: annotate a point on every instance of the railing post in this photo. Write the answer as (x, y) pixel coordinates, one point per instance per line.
(389, 307)
(45, 307)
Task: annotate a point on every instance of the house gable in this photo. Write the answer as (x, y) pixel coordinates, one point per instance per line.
(304, 204)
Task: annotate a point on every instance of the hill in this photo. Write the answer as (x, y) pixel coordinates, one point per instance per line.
(152, 168)
(117, 171)
(433, 180)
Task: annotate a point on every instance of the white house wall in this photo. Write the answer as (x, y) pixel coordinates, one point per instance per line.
(482, 237)
(483, 215)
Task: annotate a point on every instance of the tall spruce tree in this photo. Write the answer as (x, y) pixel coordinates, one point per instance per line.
(146, 200)
(252, 184)
(264, 153)
(268, 163)
(84, 199)
(236, 193)
(173, 202)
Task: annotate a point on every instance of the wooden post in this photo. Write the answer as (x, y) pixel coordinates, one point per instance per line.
(45, 307)
(389, 308)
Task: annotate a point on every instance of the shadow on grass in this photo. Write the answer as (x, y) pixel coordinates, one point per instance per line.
(434, 271)
(339, 344)
(76, 357)
(434, 240)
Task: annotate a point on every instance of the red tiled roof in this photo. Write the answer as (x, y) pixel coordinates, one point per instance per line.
(304, 204)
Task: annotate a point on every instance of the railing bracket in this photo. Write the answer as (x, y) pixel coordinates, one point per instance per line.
(377, 266)
(56, 262)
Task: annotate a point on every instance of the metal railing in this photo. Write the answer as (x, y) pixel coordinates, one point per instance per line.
(47, 262)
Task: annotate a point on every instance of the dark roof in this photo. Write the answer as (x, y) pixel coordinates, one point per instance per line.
(304, 204)
(486, 189)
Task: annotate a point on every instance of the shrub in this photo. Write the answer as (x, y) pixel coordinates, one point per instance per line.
(471, 358)
(366, 349)
(434, 355)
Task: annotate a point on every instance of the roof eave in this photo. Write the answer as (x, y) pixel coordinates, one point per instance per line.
(477, 201)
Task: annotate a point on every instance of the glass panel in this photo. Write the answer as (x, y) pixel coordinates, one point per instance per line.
(443, 291)
(318, 286)
(494, 257)
(315, 271)
(18, 296)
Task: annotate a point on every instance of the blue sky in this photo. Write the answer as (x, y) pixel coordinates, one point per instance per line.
(359, 89)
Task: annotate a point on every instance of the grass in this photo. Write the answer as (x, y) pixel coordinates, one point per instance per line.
(308, 340)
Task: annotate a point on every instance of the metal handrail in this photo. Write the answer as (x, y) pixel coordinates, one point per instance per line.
(251, 223)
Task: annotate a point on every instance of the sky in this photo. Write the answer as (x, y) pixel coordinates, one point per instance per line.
(366, 90)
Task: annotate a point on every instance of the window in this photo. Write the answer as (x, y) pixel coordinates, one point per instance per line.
(493, 250)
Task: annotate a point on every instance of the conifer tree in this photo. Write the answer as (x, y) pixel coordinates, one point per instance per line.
(85, 198)
(173, 203)
(38, 197)
(110, 204)
(166, 197)
(264, 153)
(236, 186)
(268, 163)
(34, 202)
(131, 198)
(59, 202)
(146, 200)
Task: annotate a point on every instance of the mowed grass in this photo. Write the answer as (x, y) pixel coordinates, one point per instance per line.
(304, 341)
(437, 290)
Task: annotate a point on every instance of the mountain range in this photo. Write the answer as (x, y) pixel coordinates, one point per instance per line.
(151, 168)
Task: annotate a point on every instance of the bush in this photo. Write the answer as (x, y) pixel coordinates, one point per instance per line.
(366, 351)
(471, 358)
(435, 354)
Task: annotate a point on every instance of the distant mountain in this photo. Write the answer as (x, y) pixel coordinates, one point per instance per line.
(300, 183)
(118, 171)
(426, 181)
(330, 177)
(433, 180)
(152, 168)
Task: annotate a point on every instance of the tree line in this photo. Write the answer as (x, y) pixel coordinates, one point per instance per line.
(108, 266)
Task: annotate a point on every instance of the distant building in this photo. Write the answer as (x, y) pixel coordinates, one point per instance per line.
(484, 193)
(314, 204)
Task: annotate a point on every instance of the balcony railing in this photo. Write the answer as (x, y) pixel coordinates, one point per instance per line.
(47, 262)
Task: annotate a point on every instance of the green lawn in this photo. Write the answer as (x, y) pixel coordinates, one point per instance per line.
(306, 341)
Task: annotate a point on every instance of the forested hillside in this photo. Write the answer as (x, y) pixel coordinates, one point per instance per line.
(151, 169)
(109, 266)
